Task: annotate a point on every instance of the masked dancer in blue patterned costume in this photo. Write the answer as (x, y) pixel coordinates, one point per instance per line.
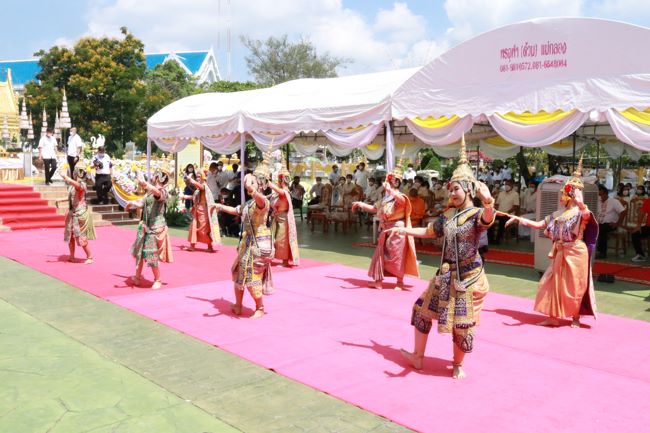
(252, 267)
(455, 296)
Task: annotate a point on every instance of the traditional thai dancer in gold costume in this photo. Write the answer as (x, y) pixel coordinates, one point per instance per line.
(566, 289)
(204, 227)
(251, 270)
(152, 244)
(455, 295)
(79, 228)
(283, 223)
(395, 253)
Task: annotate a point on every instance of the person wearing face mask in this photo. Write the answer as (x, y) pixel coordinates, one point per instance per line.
(624, 195)
(334, 175)
(74, 150)
(507, 203)
(361, 175)
(640, 192)
(528, 205)
(103, 175)
(47, 153)
(395, 253)
(211, 181)
(409, 173)
(455, 296)
(566, 289)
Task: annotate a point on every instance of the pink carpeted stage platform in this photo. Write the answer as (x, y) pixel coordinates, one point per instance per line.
(325, 329)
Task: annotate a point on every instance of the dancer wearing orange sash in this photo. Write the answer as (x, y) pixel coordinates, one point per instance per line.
(566, 289)
(204, 227)
(395, 253)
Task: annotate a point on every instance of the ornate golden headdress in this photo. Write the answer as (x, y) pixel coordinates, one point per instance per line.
(463, 172)
(163, 173)
(263, 167)
(80, 170)
(575, 181)
(398, 171)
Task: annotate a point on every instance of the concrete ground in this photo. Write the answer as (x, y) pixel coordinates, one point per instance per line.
(74, 363)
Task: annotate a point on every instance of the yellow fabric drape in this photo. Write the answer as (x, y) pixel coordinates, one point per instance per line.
(642, 117)
(499, 141)
(125, 195)
(435, 122)
(528, 118)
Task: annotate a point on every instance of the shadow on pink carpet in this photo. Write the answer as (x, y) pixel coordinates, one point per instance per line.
(326, 330)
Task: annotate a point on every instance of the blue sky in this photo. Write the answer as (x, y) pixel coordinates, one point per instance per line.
(375, 34)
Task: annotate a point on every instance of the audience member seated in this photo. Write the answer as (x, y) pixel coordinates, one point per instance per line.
(528, 207)
(418, 207)
(315, 192)
(507, 202)
(610, 213)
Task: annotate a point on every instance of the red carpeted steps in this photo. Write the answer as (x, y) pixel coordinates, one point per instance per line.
(23, 208)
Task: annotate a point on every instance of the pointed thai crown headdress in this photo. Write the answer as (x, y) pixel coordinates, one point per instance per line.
(575, 181)
(463, 172)
(398, 171)
(263, 167)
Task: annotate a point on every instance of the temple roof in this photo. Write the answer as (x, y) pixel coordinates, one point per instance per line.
(194, 62)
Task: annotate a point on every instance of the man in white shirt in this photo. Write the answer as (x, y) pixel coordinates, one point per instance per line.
(361, 176)
(315, 191)
(507, 202)
(75, 149)
(409, 173)
(222, 177)
(334, 175)
(47, 153)
(610, 212)
(103, 173)
(211, 181)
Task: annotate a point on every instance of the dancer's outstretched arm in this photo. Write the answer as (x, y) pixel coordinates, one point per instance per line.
(147, 186)
(195, 184)
(227, 209)
(538, 225)
(416, 232)
(363, 206)
(69, 180)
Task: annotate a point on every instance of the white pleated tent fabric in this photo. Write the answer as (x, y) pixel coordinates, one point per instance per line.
(348, 112)
(535, 83)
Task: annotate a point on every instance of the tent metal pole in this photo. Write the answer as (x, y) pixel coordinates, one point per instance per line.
(573, 169)
(149, 159)
(390, 146)
(597, 156)
(478, 158)
(242, 165)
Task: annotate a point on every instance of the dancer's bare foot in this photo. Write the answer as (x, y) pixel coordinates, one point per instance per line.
(286, 264)
(210, 249)
(89, 260)
(156, 285)
(458, 372)
(135, 280)
(258, 313)
(576, 322)
(412, 358)
(376, 285)
(399, 286)
(190, 248)
(71, 259)
(236, 309)
(551, 321)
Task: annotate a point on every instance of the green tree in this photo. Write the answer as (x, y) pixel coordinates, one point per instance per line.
(230, 86)
(277, 60)
(103, 78)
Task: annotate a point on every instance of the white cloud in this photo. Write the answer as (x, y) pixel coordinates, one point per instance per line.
(628, 10)
(394, 37)
(471, 17)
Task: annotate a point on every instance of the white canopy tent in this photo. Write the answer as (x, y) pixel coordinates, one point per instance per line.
(535, 83)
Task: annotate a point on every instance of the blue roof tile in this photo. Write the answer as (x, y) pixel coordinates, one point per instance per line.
(23, 71)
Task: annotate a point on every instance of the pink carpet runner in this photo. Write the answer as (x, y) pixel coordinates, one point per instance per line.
(325, 329)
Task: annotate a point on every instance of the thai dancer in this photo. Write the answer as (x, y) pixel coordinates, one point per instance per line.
(79, 228)
(204, 227)
(455, 295)
(283, 224)
(152, 244)
(566, 289)
(395, 253)
(251, 269)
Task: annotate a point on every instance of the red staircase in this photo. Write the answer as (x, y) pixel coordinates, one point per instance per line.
(23, 208)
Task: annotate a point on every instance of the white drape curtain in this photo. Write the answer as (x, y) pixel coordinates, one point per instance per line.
(265, 140)
(537, 135)
(224, 144)
(635, 134)
(172, 145)
(443, 135)
(617, 149)
(357, 138)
